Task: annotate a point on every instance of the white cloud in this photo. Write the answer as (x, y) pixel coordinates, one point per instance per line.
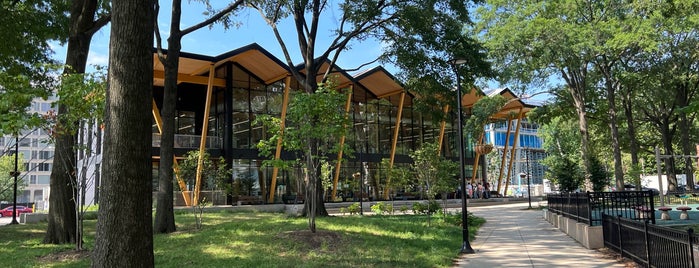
(97, 58)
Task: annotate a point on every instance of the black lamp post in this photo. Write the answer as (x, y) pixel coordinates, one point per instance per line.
(466, 246)
(529, 178)
(15, 174)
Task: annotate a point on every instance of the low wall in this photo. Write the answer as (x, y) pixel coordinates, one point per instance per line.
(590, 237)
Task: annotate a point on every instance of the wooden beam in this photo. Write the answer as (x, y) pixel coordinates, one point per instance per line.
(504, 153)
(478, 157)
(277, 153)
(395, 142)
(442, 127)
(514, 148)
(192, 79)
(204, 132)
(175, 167)
(398, 91)
(348, 105)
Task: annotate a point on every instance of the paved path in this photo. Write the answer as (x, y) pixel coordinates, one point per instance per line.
(516, 237)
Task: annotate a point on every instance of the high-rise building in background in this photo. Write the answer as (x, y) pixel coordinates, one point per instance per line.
(37, 150)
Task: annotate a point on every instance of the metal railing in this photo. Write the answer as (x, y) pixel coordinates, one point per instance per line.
(191, 141)
(572, 205)
(588, 207)
(651, 245)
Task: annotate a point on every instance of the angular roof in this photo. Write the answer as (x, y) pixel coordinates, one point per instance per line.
(194, 68)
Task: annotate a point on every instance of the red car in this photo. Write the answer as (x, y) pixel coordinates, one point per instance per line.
(7, 212)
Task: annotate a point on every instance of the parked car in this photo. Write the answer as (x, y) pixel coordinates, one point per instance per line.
(631, 187)
(7, 212)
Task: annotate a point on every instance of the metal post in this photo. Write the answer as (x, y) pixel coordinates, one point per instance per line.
(660, 177)
(529, 178)
(466, 245)
(361, 184)
(15, 174)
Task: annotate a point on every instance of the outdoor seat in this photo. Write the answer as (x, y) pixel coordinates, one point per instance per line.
(684, 215)
(664, 215)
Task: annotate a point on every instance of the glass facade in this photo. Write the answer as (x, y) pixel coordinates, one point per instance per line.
(246, 97)
(528, 154)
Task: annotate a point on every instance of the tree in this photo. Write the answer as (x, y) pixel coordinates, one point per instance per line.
(164, 213)
(216, 173)
(7, 165)
(26, 28)
(532, 41)
(85, 95)
(86, 18)
(313, 139)
(421, 36)
(124, 231)
(434, 174)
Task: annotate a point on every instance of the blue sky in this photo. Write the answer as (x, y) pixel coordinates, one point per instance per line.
(251, 29)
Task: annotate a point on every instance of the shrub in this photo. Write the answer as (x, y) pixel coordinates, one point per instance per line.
(354, 208)
(426, 207)
(380, 208)
(404, 209)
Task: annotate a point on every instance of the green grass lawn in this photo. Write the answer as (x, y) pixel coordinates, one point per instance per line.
(246, 239)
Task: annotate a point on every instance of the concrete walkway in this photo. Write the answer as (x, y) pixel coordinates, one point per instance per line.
(516, 237)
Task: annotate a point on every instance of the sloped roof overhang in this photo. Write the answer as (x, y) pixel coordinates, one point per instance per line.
(194, 68)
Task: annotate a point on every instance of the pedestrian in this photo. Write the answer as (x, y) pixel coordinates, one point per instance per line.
(469, 190)
(486, 190)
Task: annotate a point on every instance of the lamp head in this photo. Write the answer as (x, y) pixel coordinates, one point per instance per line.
(522, 175)
(457, 61)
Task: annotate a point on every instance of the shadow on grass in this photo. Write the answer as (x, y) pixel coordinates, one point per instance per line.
(246, 239)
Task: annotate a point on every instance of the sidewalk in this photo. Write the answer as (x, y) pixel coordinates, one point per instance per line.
(516, 237)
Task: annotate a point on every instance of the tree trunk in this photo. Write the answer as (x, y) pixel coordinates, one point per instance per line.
(124, 232)
(684, 125)
(164, 212)
(612, 85)
(62, 204)
(670, 161)
(577, 86)
(61, 218)
(631, 132)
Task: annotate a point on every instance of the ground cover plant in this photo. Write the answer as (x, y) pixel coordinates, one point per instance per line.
(237, 239)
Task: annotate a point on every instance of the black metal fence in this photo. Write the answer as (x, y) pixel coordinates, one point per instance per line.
(651, 245)
(588, 207)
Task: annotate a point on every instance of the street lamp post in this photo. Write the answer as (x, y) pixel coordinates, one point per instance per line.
(529, 178)
(466, 245)
(15, 174)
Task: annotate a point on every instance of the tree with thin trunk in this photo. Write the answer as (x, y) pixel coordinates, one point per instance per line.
(86, 18)
(534, 41)
(124, 231)
(164, 213)
(433, 27)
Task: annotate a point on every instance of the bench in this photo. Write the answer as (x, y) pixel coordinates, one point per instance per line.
(664, 215)
(684, 215)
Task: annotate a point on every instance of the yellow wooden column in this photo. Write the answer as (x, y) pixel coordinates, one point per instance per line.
(175, 167)
(336, 178)
(442, 127)
(514, 148)
(204, 132)
(395, 142)
(277, 153)
(504, 152)
(478, 157)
